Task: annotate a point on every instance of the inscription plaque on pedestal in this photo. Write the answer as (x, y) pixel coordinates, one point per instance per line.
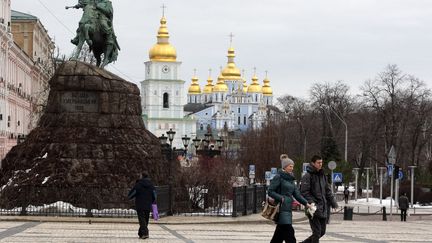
(79, 101)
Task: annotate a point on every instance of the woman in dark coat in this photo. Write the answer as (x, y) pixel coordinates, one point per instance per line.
(283, 189)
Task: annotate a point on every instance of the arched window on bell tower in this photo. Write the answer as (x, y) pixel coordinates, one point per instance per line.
(165, 100)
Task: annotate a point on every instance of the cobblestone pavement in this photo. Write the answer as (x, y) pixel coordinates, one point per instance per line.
(338, 231)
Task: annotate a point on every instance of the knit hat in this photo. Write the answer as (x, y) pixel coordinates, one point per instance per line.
(285, 161)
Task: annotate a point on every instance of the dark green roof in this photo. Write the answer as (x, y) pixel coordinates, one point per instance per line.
(22, 16)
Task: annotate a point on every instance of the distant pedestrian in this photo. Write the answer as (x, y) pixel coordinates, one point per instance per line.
(145, 195)
(403, 206)
(315, 188)
(282, 188)
(346, 195)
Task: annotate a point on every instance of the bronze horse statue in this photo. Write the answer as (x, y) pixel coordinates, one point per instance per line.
(95, 29)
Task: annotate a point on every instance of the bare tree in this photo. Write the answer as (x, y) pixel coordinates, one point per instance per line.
(402, 105)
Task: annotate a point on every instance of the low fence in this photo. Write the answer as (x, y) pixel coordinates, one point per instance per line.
(248, 199)
(76, 202)
(90, 202)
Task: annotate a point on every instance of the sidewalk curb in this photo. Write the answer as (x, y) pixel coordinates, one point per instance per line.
(163, 221)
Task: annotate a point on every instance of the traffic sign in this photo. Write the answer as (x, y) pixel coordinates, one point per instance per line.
(305, 165)
(337, 177)
(268, 175)
(332, 165)
(390, 169)
(252, 171)
(400, 175)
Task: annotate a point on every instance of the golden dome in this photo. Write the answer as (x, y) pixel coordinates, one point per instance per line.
(231, 72)
(163, 51)
(266, 89)
(255, 87)
(194, 87)
(220, 85)
(208, 88)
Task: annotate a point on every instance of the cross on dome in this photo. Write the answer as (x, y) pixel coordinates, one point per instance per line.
(231, 36)
(163, 9)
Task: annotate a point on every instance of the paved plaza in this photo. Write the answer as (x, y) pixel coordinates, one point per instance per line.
(207, 229)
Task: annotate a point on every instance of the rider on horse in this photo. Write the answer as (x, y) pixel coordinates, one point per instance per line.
(98, 14)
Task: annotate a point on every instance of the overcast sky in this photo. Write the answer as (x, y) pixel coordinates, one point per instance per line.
(299, 42)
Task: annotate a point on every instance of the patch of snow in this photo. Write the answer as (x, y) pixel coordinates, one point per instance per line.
(45, 180)
(28, 170)
(45, 155)
(7, 184)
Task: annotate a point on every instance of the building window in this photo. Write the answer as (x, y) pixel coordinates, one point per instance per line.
(201, 127)
(239, 120)
(244, 120)
(165, 100)
(239, 110)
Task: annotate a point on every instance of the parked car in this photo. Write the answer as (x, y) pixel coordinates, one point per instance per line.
(296, 205)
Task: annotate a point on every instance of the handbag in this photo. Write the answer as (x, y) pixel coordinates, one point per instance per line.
(270, 211)
(155, 212)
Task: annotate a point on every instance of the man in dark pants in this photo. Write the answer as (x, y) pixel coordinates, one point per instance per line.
(315, 189)
(145, 195)
(403, 206)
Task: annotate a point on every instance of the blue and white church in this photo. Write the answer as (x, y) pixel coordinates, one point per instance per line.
(228, 105)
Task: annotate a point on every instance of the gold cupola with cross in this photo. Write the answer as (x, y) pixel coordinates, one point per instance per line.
(163, 51)
(208, 88)
(220, 85)
(231, 72)
(254, 87)
(266, 89)
(194, 88)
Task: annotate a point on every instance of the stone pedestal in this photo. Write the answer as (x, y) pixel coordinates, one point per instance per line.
(91, 135)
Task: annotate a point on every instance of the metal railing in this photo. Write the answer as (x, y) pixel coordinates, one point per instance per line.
(92, 202)
(75, 202)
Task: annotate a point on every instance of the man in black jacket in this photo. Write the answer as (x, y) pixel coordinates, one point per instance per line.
(145, 195)
(315, 189)
(403, 206)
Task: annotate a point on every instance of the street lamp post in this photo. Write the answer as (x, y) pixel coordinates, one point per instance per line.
(367, 184)
(304, 139)
(163, 141)
(381, 182)
(412, 167)
(196, 143)
(346, 129)
(185, 141)
(206, 149)
(356, 171)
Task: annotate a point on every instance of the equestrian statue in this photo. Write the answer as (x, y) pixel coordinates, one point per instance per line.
(96, 29)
